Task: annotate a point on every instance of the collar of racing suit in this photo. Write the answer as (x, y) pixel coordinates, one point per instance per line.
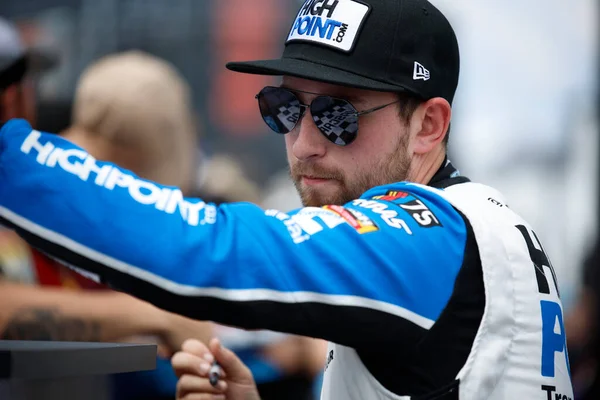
(447, 176)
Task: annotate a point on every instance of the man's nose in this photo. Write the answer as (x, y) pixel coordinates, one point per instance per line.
(310, 142)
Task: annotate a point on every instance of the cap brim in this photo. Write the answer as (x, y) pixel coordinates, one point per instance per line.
(312, 71)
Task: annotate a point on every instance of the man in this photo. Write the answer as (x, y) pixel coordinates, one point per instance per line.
(426, 285)
(52, 313)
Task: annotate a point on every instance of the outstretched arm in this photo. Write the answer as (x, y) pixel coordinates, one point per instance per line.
(374, 269)
(38, 313)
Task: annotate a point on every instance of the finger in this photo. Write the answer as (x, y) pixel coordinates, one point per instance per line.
(202, 396)
(228, 360)
(187, 363)
(196, 348)
(199, 349)
(195, 384)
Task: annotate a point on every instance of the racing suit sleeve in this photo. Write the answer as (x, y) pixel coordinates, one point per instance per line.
(381, 268)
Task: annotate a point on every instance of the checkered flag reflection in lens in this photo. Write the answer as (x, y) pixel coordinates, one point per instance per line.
(288, 115)
(280, 109)
(339, 123)
(335, 118)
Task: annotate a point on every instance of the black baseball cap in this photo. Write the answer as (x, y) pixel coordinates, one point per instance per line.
(16, 60)
(382, 45)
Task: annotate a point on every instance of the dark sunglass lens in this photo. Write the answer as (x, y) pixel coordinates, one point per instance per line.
(336, 119)
(279, 108)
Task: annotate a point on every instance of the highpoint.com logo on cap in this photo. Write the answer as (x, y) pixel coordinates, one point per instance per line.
(333, 23)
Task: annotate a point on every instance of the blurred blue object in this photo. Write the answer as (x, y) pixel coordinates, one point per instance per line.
(262, 370)
(156, 384)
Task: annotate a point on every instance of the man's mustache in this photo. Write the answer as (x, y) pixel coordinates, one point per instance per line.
(314, 171)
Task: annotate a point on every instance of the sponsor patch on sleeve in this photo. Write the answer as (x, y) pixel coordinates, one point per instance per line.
(334, 23)
(392, 195)
(421, 213)
(359, 221)
(416, 208)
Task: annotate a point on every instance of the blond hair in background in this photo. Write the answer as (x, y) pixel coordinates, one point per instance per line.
(139, 105)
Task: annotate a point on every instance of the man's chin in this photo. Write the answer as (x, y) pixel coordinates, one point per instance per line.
(319, 197)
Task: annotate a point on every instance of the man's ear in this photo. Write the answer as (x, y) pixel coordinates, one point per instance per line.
(435, 115)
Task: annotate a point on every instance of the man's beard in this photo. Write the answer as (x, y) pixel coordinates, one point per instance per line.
(391, 167)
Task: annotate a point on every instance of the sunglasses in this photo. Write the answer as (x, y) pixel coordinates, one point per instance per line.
(337, 119)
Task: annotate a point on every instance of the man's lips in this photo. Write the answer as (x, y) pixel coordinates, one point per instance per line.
(314, 180)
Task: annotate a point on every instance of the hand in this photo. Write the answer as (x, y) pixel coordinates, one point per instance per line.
(175, 330)
(191, 367)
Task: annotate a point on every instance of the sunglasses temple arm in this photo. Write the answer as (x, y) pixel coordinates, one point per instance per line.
(376, 108)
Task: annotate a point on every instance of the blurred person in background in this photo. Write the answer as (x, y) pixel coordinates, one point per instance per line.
(19, 66)
(131, 109)
(583, 326)
(419, 279)
(134, 109)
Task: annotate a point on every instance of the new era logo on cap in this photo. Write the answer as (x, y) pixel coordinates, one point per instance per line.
(334, 23)
(420, 72)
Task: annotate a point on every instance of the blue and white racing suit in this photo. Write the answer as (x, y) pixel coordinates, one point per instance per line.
(437, 291)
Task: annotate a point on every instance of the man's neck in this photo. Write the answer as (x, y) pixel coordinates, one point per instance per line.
(425, 167)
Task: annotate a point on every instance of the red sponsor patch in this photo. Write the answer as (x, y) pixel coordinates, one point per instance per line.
(356, 219)
(392, 195)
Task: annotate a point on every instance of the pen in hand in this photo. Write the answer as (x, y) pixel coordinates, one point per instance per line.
(214, 373)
